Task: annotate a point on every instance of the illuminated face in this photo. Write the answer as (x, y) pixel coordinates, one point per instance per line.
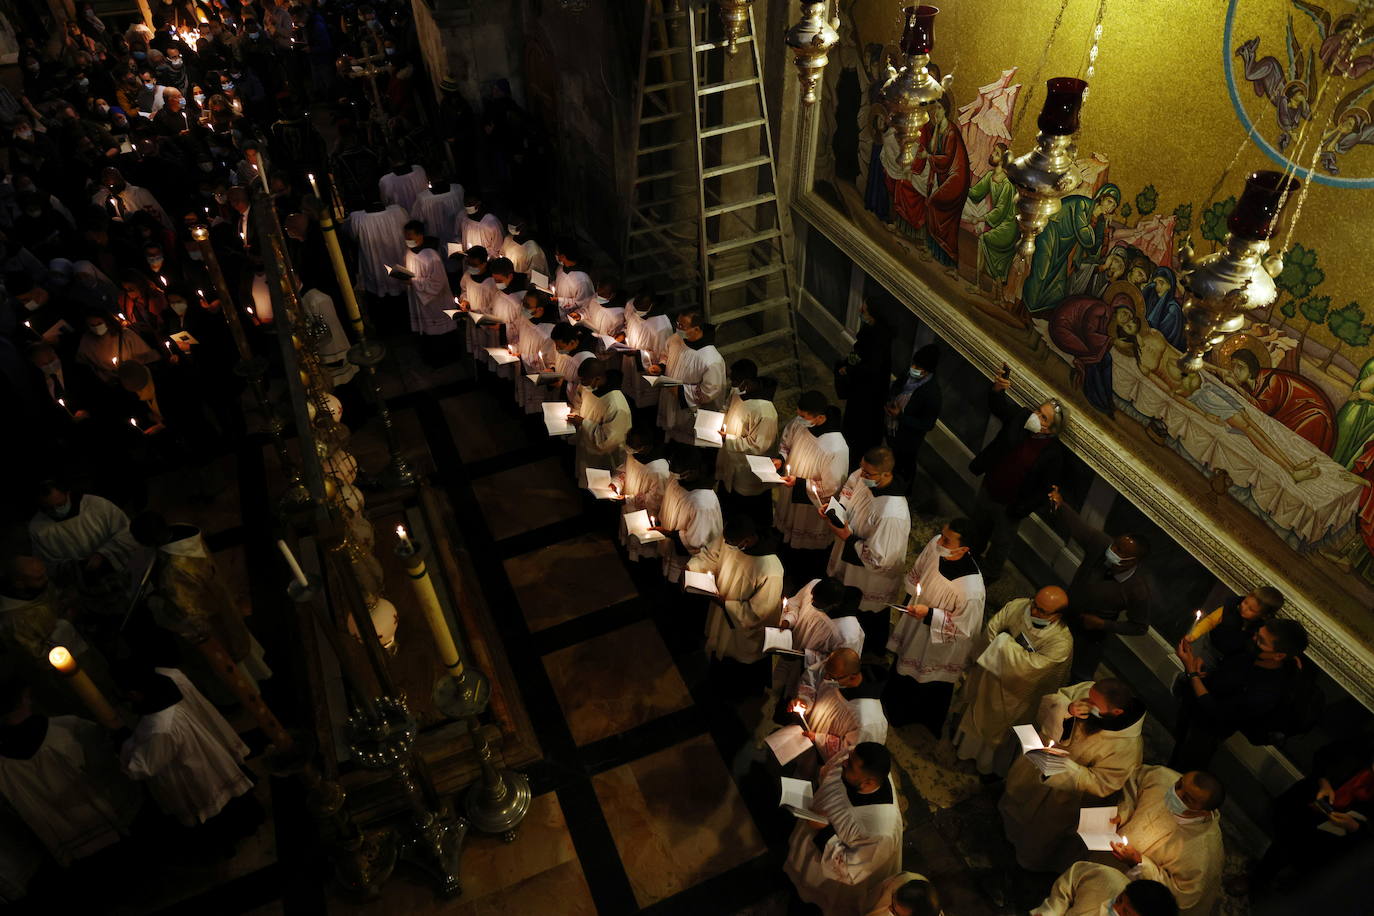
(1250, 607)
(950, 539)
(1161, 285)
(1115, 267)
(1126, 321)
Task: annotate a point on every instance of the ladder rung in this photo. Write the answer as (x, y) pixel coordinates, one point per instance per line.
(657, 176)
(659, 226)
(742, 241)
(713, 88)
(757, 340)
(747, 310)
(736, 279)
(714, 171)
(658, 119)
(731, 128)
(646, 150)
(713, 45)
(659, 87)
(740, 205)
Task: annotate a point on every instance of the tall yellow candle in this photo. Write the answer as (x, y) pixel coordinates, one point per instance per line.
(65, 664)
(434, 612)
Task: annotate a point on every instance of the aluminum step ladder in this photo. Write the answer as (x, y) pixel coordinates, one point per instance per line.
(704, 227)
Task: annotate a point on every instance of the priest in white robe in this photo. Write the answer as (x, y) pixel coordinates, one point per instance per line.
(379, 233)
(572, 347)
(83, 538)
(572, 286)
(402, 185)
(647, 331)
(438, 207)
(478, 227)
(691, 359)
(1024, 653)
(427, 293)
(813, 466)
(507, 305)
(599, 315)
(870, 544)
(691, 518)
(934, 637)
(533, 342)
(642, 481)
(476, 295)
(751, 428)
(1089, 889)
(1172, 826)
(838, 708)
(809, 614)
(602, 418)
(749, 583)
(183, 748)
(1095, 727)
(524, 252)
(840, 866)
(60, 776)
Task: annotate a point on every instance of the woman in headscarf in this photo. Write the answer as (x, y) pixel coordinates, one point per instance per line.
(1162, 309)
(1355, 419)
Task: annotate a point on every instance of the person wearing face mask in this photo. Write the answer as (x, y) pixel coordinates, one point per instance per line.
(646, 333)
(1172, 826)
(813, 464)
(603, 316)
(572, 286)
(1109, 592)
(572, 347)
(1019, 465)
(29, 622)
(841, 707)
(933, 638)
(691, 519)
(1024, 652)
(912, 410)
(1096, 728)
(861, 379)
(1089, 889)
(1230, 629)
(106, 344)
(530, 334)
(83, 539)
(751, 428)
(870, 544)
(693, 360)
(507, 307)
(749, 587)
(602, 418)
(478, 227)
(428, 295)
(121, 200)
(641, 481)
(525, 253)
(477, 294)
(438, 205)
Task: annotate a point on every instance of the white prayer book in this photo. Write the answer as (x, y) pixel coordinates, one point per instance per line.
(779, 640)
(1029, 738)
(834, 510)
(708, 426)
(702, 583)
(763, 469)
(541, 377)
(479, 318)
(796, 798)
(453, 313)
(599, 484)
(1047, 758)
(637, 524)
(556, 418)
(540, 282)
(397, 272)
(501, 355)
(455, 248)
(184, 337)
(788, 743)
(1095, 828)
(662, 381)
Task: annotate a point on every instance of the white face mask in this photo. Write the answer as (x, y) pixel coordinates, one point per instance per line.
(802, 420)
(178, 307)
(470, 210)
(1112, 558)
(412, 244)
(1039, 623)
(1033, 423)
(681, 332)
(602, 300)
(501, 286)
(474, 271)
(100, 330)
(944, 552)
(199, 97)
(869, 482)
(916, 373)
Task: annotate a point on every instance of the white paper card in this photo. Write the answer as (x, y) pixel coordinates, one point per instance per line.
(708, 426)
(777, 640)
(452, 313)
(539, 281)
(599, 484)
(637, 524)
(537, 378)
(1098, 835)
(1028, 736)
(763, 469)
(787, 744)
(703, 583)
(501, 356)
(455, 248)
(556, 418)
(796, 797)
(662, 381)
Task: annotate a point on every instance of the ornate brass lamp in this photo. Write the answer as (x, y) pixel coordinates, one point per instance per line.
(1221, 288)
(811, 40)
(1046, 174)
(909, 91)
(733, 15)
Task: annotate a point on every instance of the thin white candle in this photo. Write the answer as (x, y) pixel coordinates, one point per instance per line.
(134, 423)
(314, 186)
(296, 572)
(406, 543)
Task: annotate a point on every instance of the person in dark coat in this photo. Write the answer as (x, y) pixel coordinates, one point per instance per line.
(912, 408)
(861, 381)
(1020, 465)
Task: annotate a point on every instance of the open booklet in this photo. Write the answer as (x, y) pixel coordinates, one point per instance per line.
(835, 511)
(701, 583)
(540, 282)
(788, 743)
(662, 381)
(779, 641)
(501, 355)
(708, 426)
(796, 798)
(639, 524)
(556, 418)
(763, 469)
(1096, 829)
(599, 484)
(397, 272)
(479, 318)
(543, 378)
(1048, 759)
(455, 248)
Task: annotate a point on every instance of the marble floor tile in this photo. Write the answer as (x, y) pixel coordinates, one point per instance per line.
(483, 426)
(614, 682)
(677, 819)
(562, 890)
(563, 581)
(523, 498)
(941, 778)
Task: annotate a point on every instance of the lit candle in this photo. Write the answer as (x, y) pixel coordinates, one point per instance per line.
(162, 280)
(407, 545)
(134, 424)
(114, 360)
(168, 344)
(296, 572)
(918, 589)
(1197, 616)
(65, 664)
(800, 709)
(200, 294)
(314, 186)
(122, 319)
(63, 405)
(29, 325)
(1125, 842)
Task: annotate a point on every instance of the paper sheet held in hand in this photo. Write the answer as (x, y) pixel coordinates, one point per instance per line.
(539, 281)
(662, 381)
(455, 248)
(788, 743)
(599, 484)
(763, 469)
(708, 426)
(796, 797)
(703, 583)
(501, 355)
(1098, 835)
(778, 640)
(556, 418)
(637, 524)
(539, 378)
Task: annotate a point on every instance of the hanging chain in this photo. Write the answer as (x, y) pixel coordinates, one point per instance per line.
(1225, 173)
(1024, 96)
(1093, 43)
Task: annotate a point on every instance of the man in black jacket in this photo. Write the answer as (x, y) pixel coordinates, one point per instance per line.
(1020, 465)
(913, 407)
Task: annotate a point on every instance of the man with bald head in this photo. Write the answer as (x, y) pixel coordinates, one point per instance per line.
(1023, 654)
(1109, 592)
(839, 708)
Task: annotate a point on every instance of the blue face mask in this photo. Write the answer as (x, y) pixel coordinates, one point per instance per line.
(916, 373)
(1174, 803)
(1112, 558)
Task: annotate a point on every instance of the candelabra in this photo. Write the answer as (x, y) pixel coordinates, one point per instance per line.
(811, 40)
(733, 15)
(910, 90)
(1043, 176)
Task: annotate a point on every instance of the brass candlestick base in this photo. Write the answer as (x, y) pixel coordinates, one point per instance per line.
(501, 800)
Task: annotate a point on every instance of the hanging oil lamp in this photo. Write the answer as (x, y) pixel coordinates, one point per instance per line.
(1221, 288)
(1046, 174)
(908, 91)
(733, 15)
(811, 40)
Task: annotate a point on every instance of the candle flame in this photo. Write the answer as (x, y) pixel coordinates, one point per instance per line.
(1125, 842)
(114, 360)
(401, 532)
(121, 317)
(162, 279)
(1050, 745)
(62, 402)
(61, 659)
(1198, 614)
(133, 423)
(918, 589)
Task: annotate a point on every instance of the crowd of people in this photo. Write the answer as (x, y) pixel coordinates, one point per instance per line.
(793, 530)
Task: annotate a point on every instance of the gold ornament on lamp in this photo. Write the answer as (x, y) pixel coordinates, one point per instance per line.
(1043, 176)
(733, 15)
(811, 40)
(1222, 288)
(909, 91)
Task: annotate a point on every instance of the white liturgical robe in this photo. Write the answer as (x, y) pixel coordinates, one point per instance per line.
(485, 232)
(601, 435)
(643, 484)
(381, 243)
(573, 289)
(1086, 889)
(1185, 855)
(439, 213)
(813, 631)
(1040, 816)
(820, 465)
(864, 851)
(428, 293)
(840, 723)
(602, 319)
(95, 525)
(701, 369)
(938, 650)
(526, 255)
(402, 189)
(479, 292)
(882, 525)
(537, 354)
(751, 428)
(189, 756)
(1007, 681)
(750, 588)
(649, 335)
(695, 516)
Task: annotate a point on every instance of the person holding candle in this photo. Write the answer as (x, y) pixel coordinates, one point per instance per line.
(1089, 889)
(142, 300)
(534, 344)
(870, 547)
(692, 358)
(602, 418)
(749, 583)
(1231, 628)
(106, 343)
(751, 428)
(642, 480)
(691, 519)
(428, 295)
(813, 464)
(835, 718)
